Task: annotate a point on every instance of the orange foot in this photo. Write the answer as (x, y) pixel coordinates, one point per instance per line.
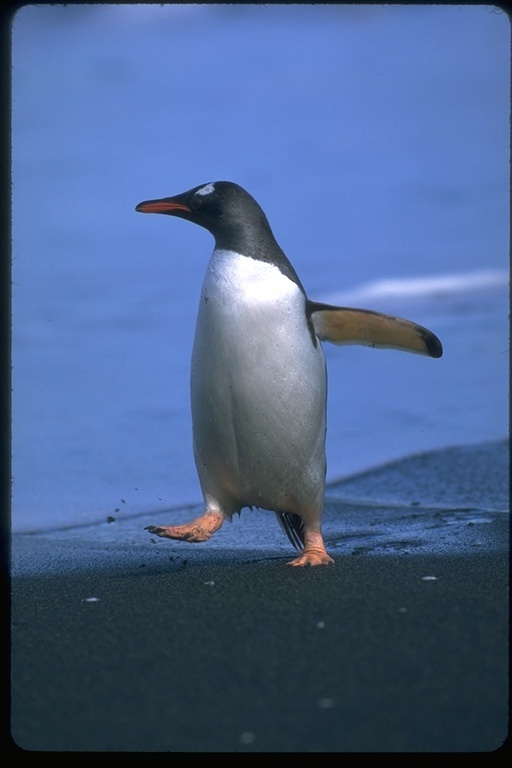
(314, 551)
(312, 557)
(199, 529)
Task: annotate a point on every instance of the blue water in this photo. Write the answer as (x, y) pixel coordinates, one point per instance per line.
(377, 141)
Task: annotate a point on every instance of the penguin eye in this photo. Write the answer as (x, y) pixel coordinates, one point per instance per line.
(195, 202)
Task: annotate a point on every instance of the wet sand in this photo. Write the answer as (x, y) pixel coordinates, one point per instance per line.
(159, 646)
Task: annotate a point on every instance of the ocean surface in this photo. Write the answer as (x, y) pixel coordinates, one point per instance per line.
(376, 139)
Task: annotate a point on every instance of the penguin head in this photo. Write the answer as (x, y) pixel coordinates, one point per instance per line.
(221, 207)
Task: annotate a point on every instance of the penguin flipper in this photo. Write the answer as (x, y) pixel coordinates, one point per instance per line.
(343, 325)
(293, 527)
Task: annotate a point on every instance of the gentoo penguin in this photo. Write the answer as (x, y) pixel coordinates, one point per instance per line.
(258, 379)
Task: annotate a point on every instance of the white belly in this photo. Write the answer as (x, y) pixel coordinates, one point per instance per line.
(258, 390)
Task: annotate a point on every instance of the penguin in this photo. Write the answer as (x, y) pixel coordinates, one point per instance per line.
(258, 380)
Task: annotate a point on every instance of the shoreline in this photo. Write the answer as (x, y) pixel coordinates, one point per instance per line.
(401, 646)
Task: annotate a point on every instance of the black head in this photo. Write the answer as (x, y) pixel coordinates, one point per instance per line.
(223, 208)
(232, 216)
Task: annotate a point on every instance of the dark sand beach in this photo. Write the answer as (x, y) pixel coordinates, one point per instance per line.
(126, 644)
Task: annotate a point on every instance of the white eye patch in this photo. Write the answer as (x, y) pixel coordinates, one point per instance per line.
(207, 190)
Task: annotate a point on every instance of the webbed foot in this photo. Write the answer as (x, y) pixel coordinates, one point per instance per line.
(200, 529)
(314, 551)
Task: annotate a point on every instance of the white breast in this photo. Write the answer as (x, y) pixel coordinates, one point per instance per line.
(258, 388)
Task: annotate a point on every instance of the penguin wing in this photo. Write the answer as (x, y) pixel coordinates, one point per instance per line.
(343, 325)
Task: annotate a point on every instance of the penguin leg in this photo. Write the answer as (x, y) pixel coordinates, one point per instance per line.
(200, 529)
(314, 550)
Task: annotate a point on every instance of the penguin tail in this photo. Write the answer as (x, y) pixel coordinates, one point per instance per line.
(293, 527)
